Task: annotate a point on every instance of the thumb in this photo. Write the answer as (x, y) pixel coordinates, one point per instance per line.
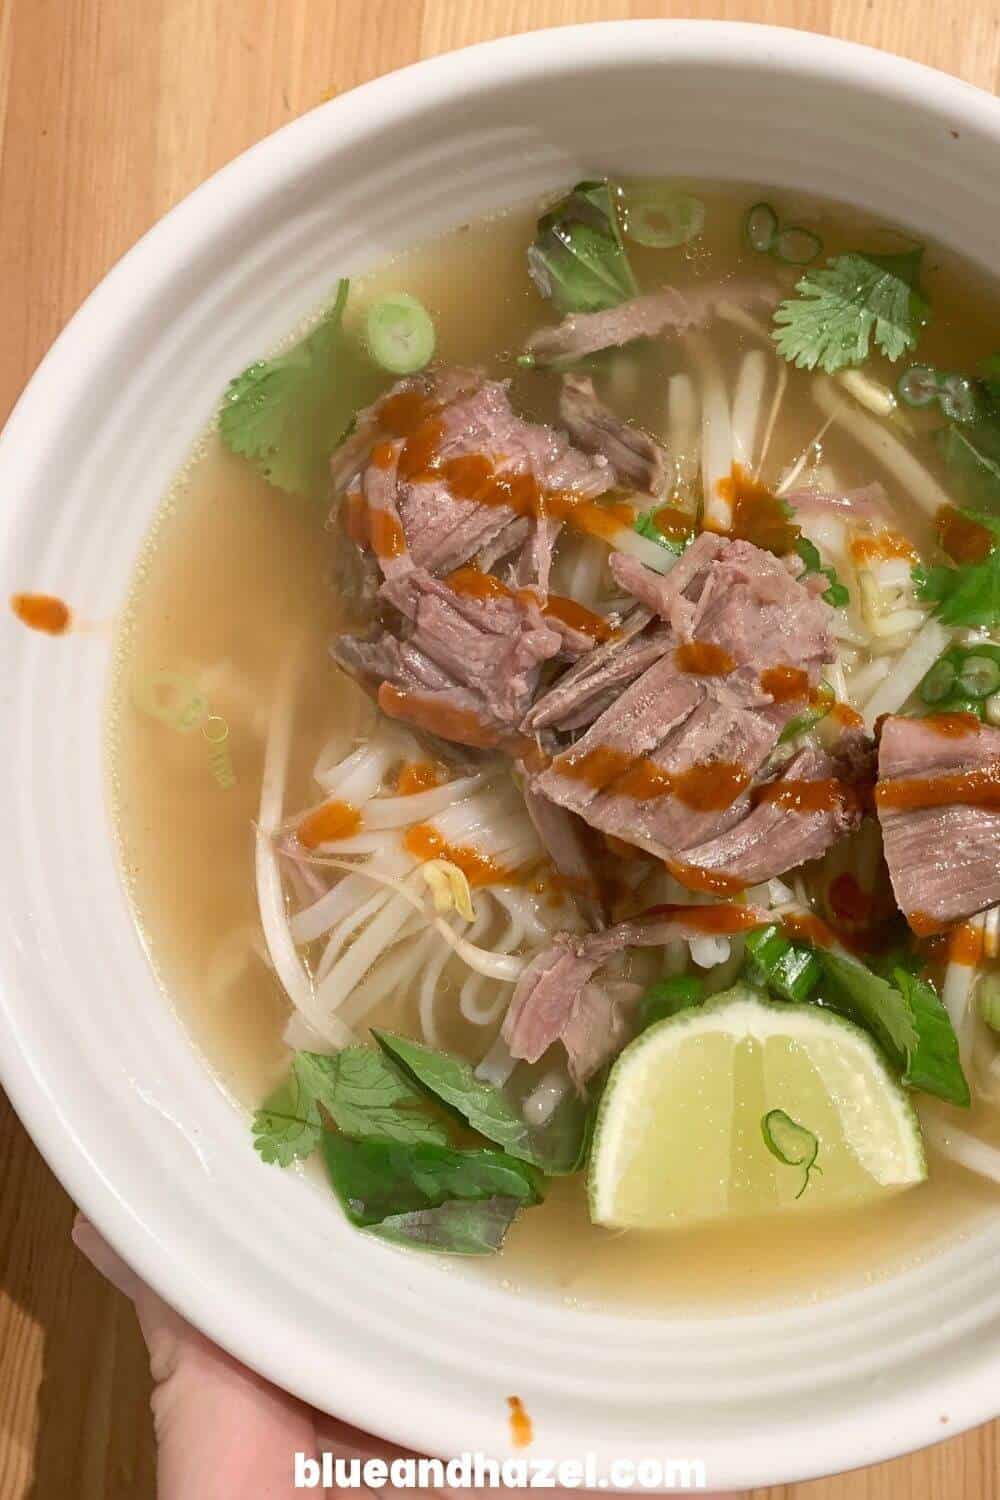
(220, 1429)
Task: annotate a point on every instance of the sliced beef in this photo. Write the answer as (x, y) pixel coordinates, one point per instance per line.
(669, 311)
(670, 765)
(795, 817)
(587, 689)
(938, 801)
(638, 460)
(555, 999)
(462, 428)
(478, 656)
(572, 847)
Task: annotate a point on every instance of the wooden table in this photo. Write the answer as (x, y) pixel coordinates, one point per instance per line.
(110, 111)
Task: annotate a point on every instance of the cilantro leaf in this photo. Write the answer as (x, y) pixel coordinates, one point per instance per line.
(909, 1021)
(287, 1126)
(363, 1094)
(962, 596)
(843, 305)
(285, 413)
(578, 260)
(836, 595)
(968, 594)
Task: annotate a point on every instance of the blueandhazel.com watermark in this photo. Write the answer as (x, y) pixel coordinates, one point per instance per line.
(479, 1471)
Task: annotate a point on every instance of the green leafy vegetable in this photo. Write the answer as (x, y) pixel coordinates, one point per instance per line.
(578, 260)
(972, 453)
(836, 595)
(907, 1019)
(668, 996)
(405, 1188)
(285, 413)
(791, 970)
(558, 1147)
(458, 1227)
(968, 594)
(791, 1143)
(360, 1090)
(844, 305)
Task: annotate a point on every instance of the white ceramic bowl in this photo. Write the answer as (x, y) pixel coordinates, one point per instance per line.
(96, 1064)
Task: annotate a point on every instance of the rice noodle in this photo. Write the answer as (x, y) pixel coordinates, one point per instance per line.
(957, 1145)
(716, 433)
(883, 444)
(907, 671)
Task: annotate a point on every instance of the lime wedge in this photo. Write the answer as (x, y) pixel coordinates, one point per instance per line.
(743, 1107)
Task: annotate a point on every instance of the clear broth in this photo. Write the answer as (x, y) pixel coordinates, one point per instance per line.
(233, 568)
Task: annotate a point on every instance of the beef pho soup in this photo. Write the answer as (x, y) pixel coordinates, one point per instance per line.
(556, 746)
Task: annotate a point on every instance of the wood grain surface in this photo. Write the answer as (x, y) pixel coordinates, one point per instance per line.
(111, 111)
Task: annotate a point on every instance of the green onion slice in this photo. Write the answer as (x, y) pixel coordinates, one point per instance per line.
(797, 246)
(659, 217)
(958, 398)
(920, 385)
(791, 1143)
(939, 682)
(400, 334)
(978, 677)
(760, 227)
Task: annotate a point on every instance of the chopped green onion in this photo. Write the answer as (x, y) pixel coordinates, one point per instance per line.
(797, 246)
(979, 676)
(939, 682)
(959, 399)
(645, 525)
(791, 1143)
(823, 700)
(918, 386)
(659, 217)
(989, 1000)
(761, 227)
(668, 996)
(400, 334)
(791, 970)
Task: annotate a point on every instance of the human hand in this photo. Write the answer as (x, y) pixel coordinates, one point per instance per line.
(222, 1431)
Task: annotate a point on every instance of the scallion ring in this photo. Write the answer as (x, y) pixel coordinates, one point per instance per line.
(661, 218)
(978, 677)
(958, 398)
(400, 334)
(939, 682)
(760, 227)
(918, 386)
(797, 246)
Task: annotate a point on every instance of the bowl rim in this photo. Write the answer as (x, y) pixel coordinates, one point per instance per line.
(412, 1418)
